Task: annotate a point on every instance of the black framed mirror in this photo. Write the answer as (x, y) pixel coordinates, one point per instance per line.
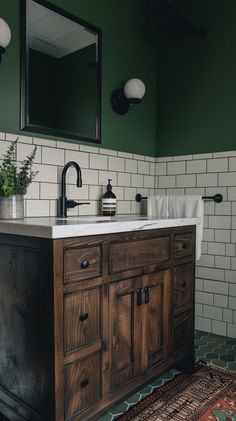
(60, 73)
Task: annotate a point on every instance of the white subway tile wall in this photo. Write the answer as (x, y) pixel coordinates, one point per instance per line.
(130, 174)
(204, 174)
(208, 174)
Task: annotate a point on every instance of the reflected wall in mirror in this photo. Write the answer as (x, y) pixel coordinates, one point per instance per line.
(60, 73)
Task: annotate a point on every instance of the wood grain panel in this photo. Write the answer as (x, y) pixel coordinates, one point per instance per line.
(183, 245)
(123, 318)
(82, 319)
(133, 254)
(183, 283)
(156, 318)
(81, 263)
(183, 328)
(82, 384)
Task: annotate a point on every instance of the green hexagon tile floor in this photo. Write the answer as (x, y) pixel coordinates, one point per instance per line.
(215, 349)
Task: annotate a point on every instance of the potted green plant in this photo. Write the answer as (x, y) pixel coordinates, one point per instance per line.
(15, 177)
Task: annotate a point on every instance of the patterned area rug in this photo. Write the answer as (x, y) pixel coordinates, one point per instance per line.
(207, 395)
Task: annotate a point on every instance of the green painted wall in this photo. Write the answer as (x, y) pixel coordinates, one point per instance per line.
(197, 83)
(128, 50)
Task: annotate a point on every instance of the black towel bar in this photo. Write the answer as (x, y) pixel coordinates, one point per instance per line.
(217, 198)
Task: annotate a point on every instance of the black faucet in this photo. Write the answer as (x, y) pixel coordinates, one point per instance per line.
(64, 204)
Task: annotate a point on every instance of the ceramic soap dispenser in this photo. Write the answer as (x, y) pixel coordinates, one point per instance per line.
(109, 201)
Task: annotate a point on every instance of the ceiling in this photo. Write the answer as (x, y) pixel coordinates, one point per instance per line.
(54, 34)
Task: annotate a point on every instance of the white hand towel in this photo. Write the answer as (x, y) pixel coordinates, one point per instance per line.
(157, 206)
(189, 207)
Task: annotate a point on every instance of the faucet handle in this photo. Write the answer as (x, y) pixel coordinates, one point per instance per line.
(72, 203)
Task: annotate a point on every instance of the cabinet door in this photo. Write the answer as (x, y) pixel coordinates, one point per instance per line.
(155, 318)
(124, 316)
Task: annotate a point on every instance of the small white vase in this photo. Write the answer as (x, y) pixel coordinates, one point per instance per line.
(12, 207)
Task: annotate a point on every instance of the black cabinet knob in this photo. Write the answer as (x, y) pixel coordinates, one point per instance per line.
(84, 264)
(184, 245)
(83, 317)
(84, 382)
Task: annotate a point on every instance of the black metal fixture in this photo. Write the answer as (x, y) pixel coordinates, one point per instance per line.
(64, 204)
(132, 93)
(217, 198)
(5, 36)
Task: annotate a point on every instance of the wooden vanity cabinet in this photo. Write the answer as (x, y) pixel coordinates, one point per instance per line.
(86, 321)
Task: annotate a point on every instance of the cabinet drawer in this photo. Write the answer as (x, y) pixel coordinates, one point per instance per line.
(82, 384)
(134, 254)
(183, 245)
(183, 326)
(81, 263)
(82, 319)
(183, 283)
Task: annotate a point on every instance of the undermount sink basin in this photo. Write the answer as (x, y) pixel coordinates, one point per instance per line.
(90, 218)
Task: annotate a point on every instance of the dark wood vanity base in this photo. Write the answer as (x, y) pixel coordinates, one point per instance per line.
(86, 321)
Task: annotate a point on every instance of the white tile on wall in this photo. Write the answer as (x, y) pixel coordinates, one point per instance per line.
(131, 165)
(103, 177)
(148, 181)
(116, 164)
(33, 191)
(124, 179)
(44, 142)
(167, 181)
(202, 323)
(89, 149)
(67, 146)
(161, 168)
(136, 180)
(196, 167)
(99, 162)
(222, 222)
(186, 180)
(49, 191)
(176, 167)
(53, 156)
(37, 207)
(204, 298)
(219, 328)
(108, 152)
(143, 167)
(217, 165)
(206, 180)
(232, 164)
(82, 158)
(215, 286)
(231, 330)
(45, 173)
(227, 179)
(125, 154)
(212, 312)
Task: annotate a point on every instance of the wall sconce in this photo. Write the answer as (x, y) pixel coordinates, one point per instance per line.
(5, 36)
(132, 93)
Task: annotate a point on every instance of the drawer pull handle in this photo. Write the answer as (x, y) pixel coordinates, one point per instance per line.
(183, 284)
(184, 245)
(84, 264)
(139, 296)
(147, 292)
(83, 317)
(84, 382)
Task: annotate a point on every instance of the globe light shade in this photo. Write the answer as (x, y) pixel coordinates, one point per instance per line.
(134, 90)
(5, 34)
(131, 93)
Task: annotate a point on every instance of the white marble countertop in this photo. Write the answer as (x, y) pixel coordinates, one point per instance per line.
(45, 227)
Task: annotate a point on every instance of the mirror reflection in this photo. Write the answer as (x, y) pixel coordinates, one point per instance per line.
(60, 73)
